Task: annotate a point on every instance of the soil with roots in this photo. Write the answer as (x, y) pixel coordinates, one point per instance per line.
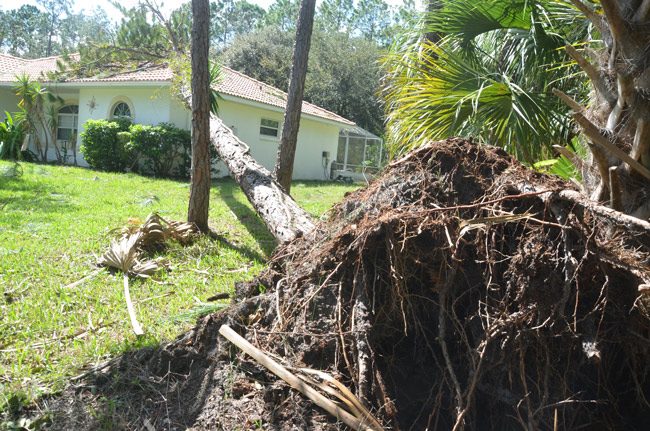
(456, 291)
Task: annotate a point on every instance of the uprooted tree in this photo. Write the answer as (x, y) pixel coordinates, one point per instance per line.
(458, 290)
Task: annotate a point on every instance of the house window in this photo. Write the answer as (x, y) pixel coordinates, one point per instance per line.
(67, 123)
(121, 109)
(269, 128)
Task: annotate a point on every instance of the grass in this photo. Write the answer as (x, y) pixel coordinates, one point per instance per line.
(55, 221)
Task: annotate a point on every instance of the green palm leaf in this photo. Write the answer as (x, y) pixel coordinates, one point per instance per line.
(488, 77)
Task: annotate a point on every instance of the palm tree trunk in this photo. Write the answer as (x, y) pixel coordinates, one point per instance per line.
(617, 127)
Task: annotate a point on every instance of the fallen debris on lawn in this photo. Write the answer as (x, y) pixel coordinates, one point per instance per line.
(126, 253)
(459, 290)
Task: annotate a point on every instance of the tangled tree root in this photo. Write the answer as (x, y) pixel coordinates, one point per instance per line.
(459, 290)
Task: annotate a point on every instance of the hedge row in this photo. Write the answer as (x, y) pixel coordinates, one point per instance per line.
(118, 145)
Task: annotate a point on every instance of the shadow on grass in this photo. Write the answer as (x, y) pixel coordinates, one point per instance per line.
(148, 386)
(246, 216)
(28, 195)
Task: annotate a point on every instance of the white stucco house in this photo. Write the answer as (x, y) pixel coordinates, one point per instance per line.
(252, 109)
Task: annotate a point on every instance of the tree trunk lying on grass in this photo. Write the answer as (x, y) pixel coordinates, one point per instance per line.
(281, 214)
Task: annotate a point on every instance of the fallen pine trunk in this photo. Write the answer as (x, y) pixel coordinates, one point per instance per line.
(285, 219)
(281, 214)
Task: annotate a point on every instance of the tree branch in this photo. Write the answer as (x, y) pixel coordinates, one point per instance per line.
(155, 9)
(594, 134)
(594, 74)
(591, 15)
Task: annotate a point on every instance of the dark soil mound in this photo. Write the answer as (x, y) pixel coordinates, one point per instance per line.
(458, 290)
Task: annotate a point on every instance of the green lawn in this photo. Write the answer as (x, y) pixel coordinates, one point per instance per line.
(55, 221)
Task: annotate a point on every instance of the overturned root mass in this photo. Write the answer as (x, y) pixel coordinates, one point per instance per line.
(459, 290)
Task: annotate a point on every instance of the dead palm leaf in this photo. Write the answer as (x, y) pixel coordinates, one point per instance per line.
(124, 253)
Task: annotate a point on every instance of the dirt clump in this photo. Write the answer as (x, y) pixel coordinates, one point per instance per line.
(459, 290)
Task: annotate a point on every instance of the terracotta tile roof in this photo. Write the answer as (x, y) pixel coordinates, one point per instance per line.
(150, 74)
(237, 84)
(11, 66)
(233, 83)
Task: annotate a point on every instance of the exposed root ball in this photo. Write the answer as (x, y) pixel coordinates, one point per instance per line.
(454, 292)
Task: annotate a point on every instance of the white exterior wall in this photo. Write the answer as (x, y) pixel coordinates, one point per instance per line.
(149, 105)
(8, 102)
(179, 115)
(153, 105)
(314, 137)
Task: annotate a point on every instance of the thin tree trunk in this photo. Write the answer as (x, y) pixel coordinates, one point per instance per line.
(287, 149)
(200, 174)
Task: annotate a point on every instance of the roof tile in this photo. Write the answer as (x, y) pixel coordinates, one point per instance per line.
(232, 83)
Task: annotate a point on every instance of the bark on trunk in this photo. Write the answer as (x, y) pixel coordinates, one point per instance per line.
(200, 174)
(287, 149)
(617, 123)
(281, 214)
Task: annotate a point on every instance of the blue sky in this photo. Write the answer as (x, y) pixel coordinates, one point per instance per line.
(114, 14)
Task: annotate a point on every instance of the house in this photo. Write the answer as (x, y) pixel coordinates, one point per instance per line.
(252, 109)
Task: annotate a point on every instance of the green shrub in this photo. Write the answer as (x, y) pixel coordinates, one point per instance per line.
(102, 148)
(11, 138)
(162, 150)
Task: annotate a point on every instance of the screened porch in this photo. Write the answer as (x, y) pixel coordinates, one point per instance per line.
(360, 155)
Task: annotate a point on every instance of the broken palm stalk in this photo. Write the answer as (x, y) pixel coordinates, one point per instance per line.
(361, 423)
(124, 253)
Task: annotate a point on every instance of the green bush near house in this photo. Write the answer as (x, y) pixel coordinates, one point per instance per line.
(102, 148)
(162, 150)
(11, 137)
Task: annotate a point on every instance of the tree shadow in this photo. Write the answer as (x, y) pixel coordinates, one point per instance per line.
(148, 386)
(33, 196)
(246, 216)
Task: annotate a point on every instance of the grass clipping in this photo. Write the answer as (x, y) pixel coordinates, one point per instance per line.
(128, 253)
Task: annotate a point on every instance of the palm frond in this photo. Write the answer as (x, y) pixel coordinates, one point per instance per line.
(470, 19)
(487, 77)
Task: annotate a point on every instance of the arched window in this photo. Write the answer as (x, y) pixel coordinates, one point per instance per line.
(67, 123)
(121, 109)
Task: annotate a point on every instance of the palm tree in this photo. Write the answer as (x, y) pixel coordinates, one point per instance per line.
(33, 100)
(489, 76)
(616, 121)
(500, 69)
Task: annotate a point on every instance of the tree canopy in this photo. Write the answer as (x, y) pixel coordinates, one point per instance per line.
(343, 74)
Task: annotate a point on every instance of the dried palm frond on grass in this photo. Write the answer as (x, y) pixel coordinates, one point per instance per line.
(124, 254)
